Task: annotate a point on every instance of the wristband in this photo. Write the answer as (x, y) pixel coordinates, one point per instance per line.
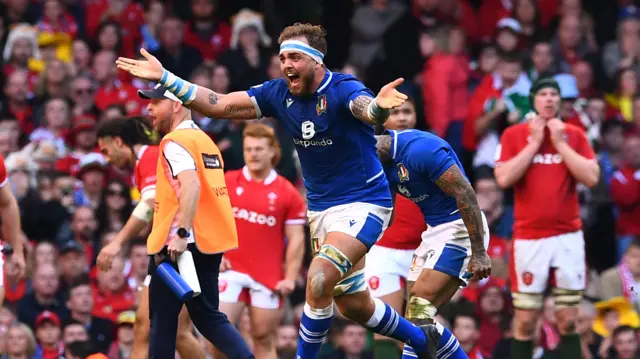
(183, 90)
(377, 114)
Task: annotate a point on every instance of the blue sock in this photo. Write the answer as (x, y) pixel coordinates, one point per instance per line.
(448, 347)
(314, 326)
(387, 321)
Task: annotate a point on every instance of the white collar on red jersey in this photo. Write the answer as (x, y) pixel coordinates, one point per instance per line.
(267, 181)
(141, 153)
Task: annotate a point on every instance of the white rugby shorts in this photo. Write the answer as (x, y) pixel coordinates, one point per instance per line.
(364, 221)
(445, 248)
(534, 259)
(386, 269)
(232, 284)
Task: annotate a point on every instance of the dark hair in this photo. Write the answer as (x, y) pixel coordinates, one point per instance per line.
(80, 348)
(79, 282)
(315, 35)
(96, 45)
(623, 328)
(467, 314)
(102, 212)
(635, 242)
(132, 131)
(73, 322)
(511, 57)
(609, 125)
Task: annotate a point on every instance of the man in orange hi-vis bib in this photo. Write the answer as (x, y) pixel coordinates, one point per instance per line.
(192, 213)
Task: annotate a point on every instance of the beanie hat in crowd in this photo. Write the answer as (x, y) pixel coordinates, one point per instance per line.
(21, 31)
(543, 83)
(248, 18)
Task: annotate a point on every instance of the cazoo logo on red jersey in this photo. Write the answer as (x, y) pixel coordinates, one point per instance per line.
(254, 217)
(548, 159)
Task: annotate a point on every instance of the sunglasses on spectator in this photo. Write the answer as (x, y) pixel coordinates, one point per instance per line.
(84, 91)
(111, 192)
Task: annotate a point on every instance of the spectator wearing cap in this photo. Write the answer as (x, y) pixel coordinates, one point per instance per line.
(111, 90)
(624, 51)
(17, 100)
(111, 293)
(21, 48)
(211, 36)
(48, 335)
(81, 229)
(507, 34)
(44, 296)
(92, 171)
(82, 140)
(56, 122)
(248, 57)
(625, 191)
(445, 89)
(121, 347)
(174, 54)
(81, 308)
(72, 262)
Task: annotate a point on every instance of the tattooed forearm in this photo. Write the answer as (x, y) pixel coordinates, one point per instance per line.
(364, 109)
(383, 148)
(453, 183)
(234, 110)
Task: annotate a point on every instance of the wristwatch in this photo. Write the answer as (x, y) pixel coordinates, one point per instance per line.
(183, 233)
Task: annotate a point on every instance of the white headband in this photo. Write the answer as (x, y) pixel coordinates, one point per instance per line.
(299, 46)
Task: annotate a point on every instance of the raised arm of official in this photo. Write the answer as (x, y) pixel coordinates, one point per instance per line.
(235, 105)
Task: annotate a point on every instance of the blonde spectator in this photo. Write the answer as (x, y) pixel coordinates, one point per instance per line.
(54, 80)
(20, 342)
(22, 171)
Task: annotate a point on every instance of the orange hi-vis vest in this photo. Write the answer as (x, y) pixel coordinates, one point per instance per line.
(214, 227)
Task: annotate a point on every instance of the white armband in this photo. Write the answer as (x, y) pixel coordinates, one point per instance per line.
(143, 211)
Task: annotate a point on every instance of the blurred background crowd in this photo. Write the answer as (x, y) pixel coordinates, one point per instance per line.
(468, 66)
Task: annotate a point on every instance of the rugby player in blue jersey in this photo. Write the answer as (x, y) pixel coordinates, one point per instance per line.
(423, 168)
(330, 117)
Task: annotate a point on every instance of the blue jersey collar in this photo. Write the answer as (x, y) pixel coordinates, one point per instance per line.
(325, 81)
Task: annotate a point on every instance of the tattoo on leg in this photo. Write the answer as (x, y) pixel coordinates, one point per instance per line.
(213, 98)
(317, 283)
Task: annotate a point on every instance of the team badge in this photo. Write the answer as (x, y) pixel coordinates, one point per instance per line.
(527, 278)
(222, 285)
(321, 106)
(403, 174)
(374, 283)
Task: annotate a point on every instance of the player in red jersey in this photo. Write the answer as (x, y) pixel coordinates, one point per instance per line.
(11, 228)
(270, 217)
(128, 143)
(388, 261)
(544, 159)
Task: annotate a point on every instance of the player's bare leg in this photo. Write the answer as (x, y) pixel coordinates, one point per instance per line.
(141, 327)
(333, 268)
(264, 326)
(567, 304)
(186, 342)
(524, 328)
(233, 311)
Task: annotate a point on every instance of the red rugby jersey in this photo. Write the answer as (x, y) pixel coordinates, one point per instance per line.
(406, 230)
(546, 200)
(261, 210)
(144, 174)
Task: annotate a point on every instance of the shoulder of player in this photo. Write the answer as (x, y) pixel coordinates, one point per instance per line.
(231, 176)
(284, 186)
(276, 85)
(151, 153)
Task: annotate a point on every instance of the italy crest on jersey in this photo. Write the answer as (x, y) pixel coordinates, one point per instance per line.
(321, 106)
(403, 174)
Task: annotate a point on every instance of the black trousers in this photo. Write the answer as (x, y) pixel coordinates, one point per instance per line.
(164, 307)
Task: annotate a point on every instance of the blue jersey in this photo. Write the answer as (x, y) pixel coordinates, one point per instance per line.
(337, 151)
(419, 159)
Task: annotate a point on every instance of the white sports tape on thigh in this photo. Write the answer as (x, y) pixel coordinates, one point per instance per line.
(353, 283)
(530, 301)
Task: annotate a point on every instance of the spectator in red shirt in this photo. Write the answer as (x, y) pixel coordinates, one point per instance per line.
(206, 33)
(129, 14)
(625, 191)
(111, 90)
(445, 89)
(56, 20)
(111, 294)
(48, 335)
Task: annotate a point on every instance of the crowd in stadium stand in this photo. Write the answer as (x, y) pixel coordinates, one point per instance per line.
(468, 66)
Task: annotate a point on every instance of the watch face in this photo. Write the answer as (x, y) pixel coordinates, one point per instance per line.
(182, 233)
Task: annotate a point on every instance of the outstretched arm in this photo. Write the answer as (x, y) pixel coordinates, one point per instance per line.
(455, 184)
(375, 111)
(236, 105)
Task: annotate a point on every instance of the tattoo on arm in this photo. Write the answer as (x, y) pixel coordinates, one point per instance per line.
(383, 148)
(234, 110)
(213, 98)
(453, 183)
(360, 107)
